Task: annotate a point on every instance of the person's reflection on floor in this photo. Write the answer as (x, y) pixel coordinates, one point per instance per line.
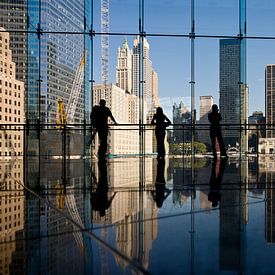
(161, 192)
(99, 199)
(218, 167)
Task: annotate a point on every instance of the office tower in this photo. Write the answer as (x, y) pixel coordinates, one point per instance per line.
(206, 103)
(233, 94)
(257, 130)
(181, 116)
(120, 103)
(11, 101)
(146, 71)
(14, 17)
(61, 56)
(124, 68)
(269, 98)
(155, 97)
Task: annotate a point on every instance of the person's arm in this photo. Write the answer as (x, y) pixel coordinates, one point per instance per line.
(112, 117)
(168, 120)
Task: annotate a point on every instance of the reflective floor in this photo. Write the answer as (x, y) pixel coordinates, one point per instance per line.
(134, 216)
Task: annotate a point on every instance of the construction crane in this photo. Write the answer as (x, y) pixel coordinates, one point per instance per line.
(66, 116)
(105, 41)
(61, 117)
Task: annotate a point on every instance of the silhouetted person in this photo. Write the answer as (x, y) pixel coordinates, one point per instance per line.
(99, 199)
(215, 131)
(161, 192)
(99, 124)
(217, 171)
(161, 121)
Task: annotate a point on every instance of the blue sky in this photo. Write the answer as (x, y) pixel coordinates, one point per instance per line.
(171, 56)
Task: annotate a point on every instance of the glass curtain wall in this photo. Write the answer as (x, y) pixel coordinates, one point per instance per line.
(138, 56)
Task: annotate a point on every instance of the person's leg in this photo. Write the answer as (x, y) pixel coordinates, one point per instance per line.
(213, 144)
(221, 144)
(162, 147)
(103, 135)
(160, 143)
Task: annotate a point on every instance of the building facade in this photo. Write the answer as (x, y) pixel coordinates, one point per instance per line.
(11, 101)
(182, 117)
(124, 68)
(146, 71)
(17, 10)
(61, 55)
(230, 98)
(126, 139)
(269, 99)
(206, 103)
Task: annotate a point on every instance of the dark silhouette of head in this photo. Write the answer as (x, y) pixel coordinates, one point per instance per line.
(159, 111)
(102, 102)
(215, 108)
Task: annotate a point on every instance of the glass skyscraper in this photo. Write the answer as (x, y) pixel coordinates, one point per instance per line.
(230, 87)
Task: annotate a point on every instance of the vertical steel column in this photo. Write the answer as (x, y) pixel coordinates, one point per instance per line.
(193, 118)
(141, 133)
(243, 87)
(244, 137)
(141, 95)
(92, 33)
(39, 33)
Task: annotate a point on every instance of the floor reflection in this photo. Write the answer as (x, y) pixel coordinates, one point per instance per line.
(225, 206)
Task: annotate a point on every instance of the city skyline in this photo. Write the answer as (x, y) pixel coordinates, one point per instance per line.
(175, 18)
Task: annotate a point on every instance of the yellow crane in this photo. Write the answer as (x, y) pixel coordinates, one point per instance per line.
(66, 115)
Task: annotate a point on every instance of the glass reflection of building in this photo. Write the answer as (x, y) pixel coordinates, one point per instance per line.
(233, 217)
(59, 55)
(51, 239)
(12, 213)
(133, 213)
(182, 175)
(267, 168)
(11, 150)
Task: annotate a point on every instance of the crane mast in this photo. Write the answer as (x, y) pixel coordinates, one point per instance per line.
(66, 116)
(76, 89)
(104, 41)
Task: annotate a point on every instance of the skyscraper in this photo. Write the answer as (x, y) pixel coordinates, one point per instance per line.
(181, 115)
(11, 101)
(60, 57)
(269, 98)
(146, 71)
(17, 10)
(124, 67)
(206, 103)
(230, 97)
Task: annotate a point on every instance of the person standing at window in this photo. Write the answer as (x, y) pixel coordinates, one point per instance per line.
(161, 121)
(215, 131)
(99, 124)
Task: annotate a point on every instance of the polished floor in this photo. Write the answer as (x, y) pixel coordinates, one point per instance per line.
(135, 216)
